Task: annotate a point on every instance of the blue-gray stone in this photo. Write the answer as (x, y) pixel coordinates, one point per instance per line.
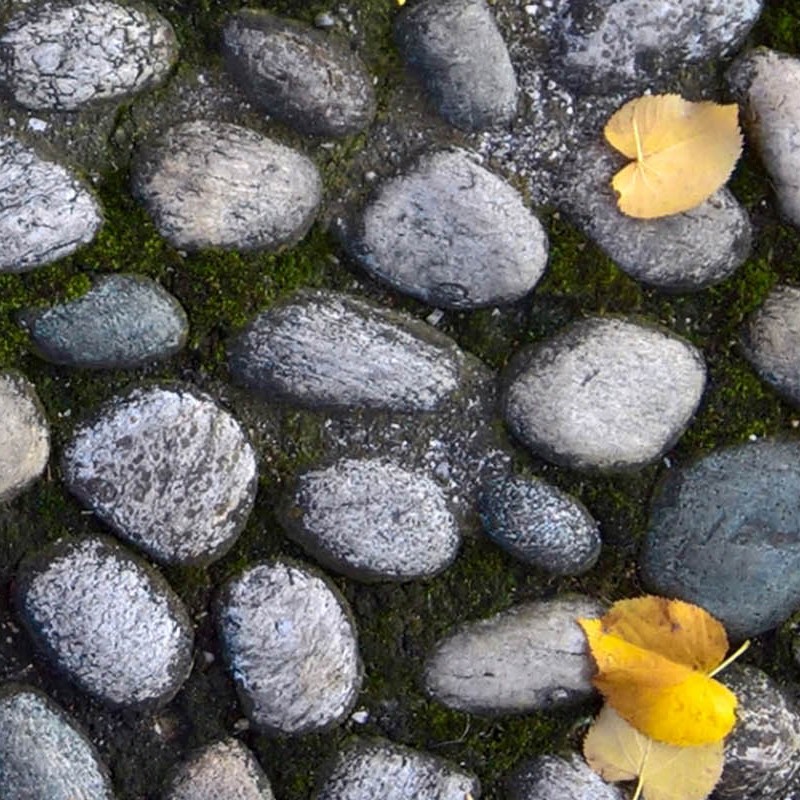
(123, 321)
(551, 777)
(541, 525)
(724, 534)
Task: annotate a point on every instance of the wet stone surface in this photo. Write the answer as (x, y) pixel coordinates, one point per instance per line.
(552, 777)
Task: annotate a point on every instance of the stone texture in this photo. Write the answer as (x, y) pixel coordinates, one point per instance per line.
(43, 756)
(169, 470)
(551, 777)
(724, 533)
(532, 656)
(225, 770)
(213, 184)
(290, 642)
(376, 768)
(370, 519)
(63, 55)
(450, 233)
(540, 525)
(307, 79)
(108, 621)
(604, 394)
(46, 213)
(331, 350)
(25, 440)
(123, 321)
(456, 48)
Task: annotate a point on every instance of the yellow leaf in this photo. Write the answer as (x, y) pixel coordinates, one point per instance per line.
(653, 656)
(616, 751)
(683, 151)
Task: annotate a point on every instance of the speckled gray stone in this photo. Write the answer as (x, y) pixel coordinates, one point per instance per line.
(724, 533)
(169, 470)
(761, 752)
(63, 55)
(213, 184)
(24, 435)
(290, 642)
(311, 80)
(370, 519)
(767, 84)
(46, 213)
(224, 770)
(679, 253)
(552, 777)
(455, 47)
(123, 321)
(108, 621)
(532, 656)
(43, 755)
(604, 394)
(331, 350)
(541, 525)
(451, 233)
(376, 768)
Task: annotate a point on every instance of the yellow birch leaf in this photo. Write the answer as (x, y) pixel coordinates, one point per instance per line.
(616, 751)
(683, 151)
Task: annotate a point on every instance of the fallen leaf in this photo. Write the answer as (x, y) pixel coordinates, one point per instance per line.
(616, 751)
(683, 151)
(653, 657)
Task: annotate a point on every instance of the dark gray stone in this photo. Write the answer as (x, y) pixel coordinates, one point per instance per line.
(310, 80)
(540, 525)
(62, 55)
(452, 234)
(679, 253)
(532, 656)
(213, 184)
(551, 777)
(43, 755)
(225, 770)
(290, 642)
(604, 394)
(46, 213)
(123, 321)
(376, 768)
(462, 59)
(108, 621)
(169, 470)
(25, 441)
(761, 753)
(370, 519)
(331, 350)
(724, 534)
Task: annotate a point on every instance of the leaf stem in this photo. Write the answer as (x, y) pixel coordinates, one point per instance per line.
(640, 784)
(730, 659)
(639, 153)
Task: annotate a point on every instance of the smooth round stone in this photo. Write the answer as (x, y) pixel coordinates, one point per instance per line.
(724, 534)
(680, 253)
(213, 184)
(371, 520)
(604, 394)
(290, 642)
(307, 79)
(123, 321)
(225, 770)
(552, 777)
(377, 768)
(767, 84)
(456, 48)
(761, 752)
(532, 656)
(108, 621)
(540, 525)
(452, 234)
(25, 441)
(60, 56)
(46, 212)
(168, 470)
(325, 349)
(43, 755)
